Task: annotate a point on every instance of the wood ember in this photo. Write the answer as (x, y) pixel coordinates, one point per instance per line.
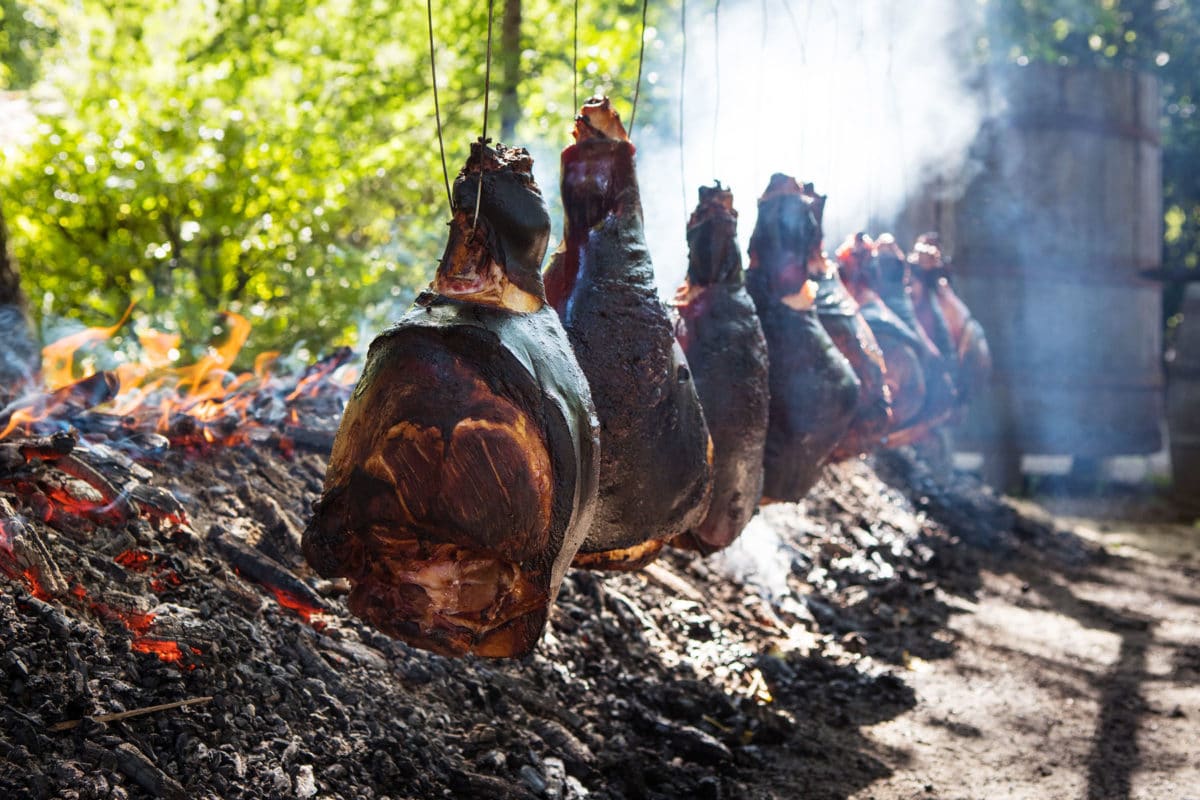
(682, 682)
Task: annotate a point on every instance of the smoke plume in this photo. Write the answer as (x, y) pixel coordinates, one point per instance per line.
(865, 98)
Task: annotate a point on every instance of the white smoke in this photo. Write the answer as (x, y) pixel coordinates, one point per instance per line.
(758, 558)
(865, 98)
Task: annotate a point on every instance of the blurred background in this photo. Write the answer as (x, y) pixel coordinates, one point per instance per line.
(280, 159)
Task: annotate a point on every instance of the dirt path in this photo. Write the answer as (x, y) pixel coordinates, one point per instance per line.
(1062, 683)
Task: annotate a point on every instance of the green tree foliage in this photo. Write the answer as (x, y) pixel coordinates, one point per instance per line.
(25, 32)
(276, 158)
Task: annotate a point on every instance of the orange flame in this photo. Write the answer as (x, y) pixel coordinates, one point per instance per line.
(195, 405)
(58, 358)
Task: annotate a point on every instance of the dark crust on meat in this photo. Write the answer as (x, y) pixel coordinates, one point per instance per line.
(839, 313)
(513, 225)
(891, 278)
(524, 358)
(728, 355)
(713, 254)
(654, 474)
(813, 394)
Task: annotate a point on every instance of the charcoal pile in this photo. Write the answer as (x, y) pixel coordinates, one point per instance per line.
(201, 569)
(175, 577)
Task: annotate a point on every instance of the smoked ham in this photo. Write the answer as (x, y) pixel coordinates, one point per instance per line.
(946, 318)
(839, 313)
(655, 471)
(463, 476)
(723, 340)
(814, 392)
(920, 387)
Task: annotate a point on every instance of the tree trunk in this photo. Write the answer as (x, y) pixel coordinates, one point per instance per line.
(510, 73)
(10, 278)
(18, 351)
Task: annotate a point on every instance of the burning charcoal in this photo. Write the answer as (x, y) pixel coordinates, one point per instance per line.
(814, 391)
(113, 505)
(158, 503)
(11, 458)
(50, 447)
(462, 478)
(119, 467)
(23, 553)
(288, 589)
(315, 441)
(656, 457)
(144, 445)
(723, 340)
(91, 391)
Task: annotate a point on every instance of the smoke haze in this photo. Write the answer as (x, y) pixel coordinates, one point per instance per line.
(865, 98)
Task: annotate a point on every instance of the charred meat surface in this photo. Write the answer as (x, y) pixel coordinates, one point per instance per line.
(946, 318)
(839, 313)
(920, 385)
(813, 389)
(655, 472)
(463, 475)
(724, 343)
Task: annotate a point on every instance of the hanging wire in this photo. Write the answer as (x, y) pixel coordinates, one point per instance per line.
(800, 37)
(637, 87)
(682, 86)
(893, 93)
(575, 63)
(487, 88)
(758, 91)
(437, 111)
(834, 95)
(717, 71)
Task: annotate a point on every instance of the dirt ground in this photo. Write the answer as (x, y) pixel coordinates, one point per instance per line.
(1063, 682)
(896, 635)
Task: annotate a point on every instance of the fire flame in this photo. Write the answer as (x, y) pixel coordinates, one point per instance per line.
(195, 405)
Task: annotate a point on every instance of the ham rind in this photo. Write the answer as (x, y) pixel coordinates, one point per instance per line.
(655, 471)
(839, 313)
(463, 477)
(919, 376)
(813, 389)
(946, 318)
(724, 343)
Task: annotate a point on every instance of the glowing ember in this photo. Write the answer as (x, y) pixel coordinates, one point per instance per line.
(35, 584)
(164, 580)
(305, 611)
(165, 649)
(136, 560)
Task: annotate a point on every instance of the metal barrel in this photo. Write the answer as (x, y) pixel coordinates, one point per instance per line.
(1183, 400)
(1051, 237)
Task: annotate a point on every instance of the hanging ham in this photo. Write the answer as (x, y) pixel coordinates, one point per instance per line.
(655, 472)
(946, 318)
(723, 340)
(839, 313)
(813, 389)
(920, 387)
(464, 473)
